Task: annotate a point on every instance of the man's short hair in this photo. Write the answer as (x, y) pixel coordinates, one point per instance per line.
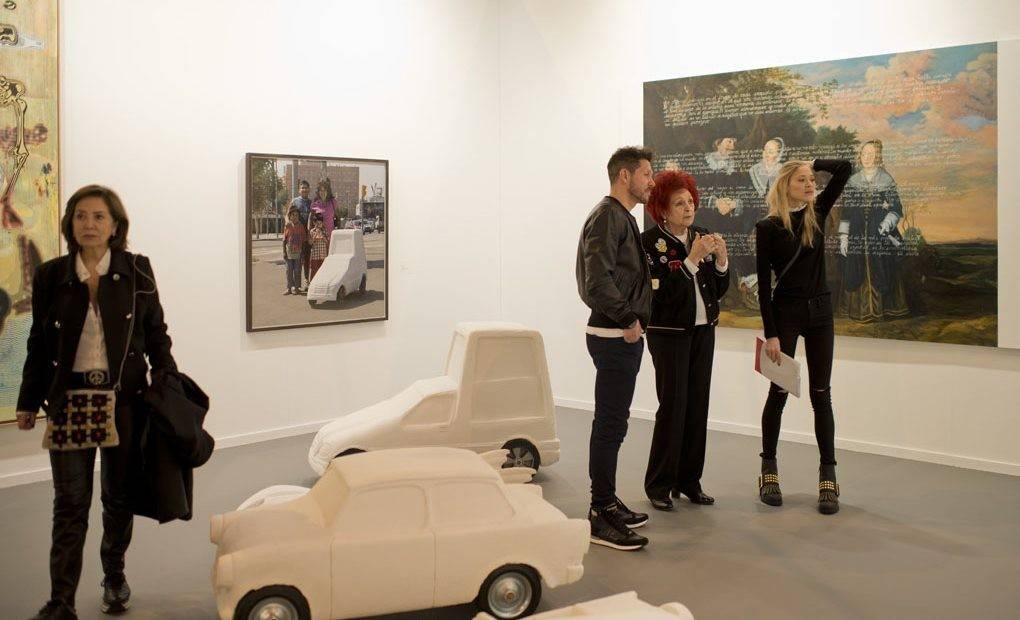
(305, 183)
(628, 157)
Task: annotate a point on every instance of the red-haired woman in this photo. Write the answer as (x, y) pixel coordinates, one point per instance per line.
(688, 269)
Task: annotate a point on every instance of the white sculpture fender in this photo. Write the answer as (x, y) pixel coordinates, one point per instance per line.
(440, 522)
(494, 393)
(625, 606)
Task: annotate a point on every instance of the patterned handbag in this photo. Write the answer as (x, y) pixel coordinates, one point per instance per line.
(86, 420)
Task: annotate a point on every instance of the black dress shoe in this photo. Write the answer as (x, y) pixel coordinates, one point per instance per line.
(115, 595)
(696, 496)
(661, 503)
(56, 610)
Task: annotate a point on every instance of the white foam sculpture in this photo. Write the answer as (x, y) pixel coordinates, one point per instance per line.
(343, 271)
(391, 531)
(625, 606)
(494, 394)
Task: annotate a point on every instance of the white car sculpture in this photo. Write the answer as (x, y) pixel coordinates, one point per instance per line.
(494, 394)
(392, 531)
(626, 606)
(344, 271)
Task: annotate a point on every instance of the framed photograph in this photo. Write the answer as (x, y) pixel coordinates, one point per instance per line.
(29, 175)
(317, 251)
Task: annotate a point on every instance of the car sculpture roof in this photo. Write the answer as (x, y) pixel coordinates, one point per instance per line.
(371, 468)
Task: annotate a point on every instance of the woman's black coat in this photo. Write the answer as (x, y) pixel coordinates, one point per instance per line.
(59, 306)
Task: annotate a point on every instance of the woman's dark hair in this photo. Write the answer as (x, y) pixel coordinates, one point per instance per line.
(329, 190)
(119, 239)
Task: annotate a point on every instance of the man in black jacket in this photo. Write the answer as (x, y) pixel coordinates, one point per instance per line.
(613, 280)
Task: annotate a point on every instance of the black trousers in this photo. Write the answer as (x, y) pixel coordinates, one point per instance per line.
(683, 380)
(810, 319)
(72, 486)
(616, 368)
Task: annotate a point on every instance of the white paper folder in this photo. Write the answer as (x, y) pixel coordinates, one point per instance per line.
(786, 374)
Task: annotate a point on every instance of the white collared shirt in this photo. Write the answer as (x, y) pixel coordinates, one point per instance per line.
(91, 353)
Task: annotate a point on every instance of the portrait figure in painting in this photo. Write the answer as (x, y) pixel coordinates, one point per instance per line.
(870, 242)
(765, 171)
(721, 159)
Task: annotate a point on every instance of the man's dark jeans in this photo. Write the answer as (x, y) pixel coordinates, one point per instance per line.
(616, 363)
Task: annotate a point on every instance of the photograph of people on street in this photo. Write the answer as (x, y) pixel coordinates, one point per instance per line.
(316, 234)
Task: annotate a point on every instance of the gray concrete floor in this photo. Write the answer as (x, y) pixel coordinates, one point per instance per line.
(913, 540)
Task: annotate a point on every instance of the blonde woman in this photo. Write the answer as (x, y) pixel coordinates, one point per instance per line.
(790, 244)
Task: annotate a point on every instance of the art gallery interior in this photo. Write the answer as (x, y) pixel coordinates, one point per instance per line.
(497, 118)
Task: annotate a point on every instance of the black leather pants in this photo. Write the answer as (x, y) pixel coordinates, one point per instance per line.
(72, 485)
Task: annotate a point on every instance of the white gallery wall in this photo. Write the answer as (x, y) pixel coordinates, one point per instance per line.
(497, 117)
(161, 100)
(571, 76)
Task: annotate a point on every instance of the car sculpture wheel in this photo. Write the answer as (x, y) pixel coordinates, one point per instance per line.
(511, 592)
(273, 603)
(522, 453)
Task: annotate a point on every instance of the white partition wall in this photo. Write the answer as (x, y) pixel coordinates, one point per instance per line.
(571, 78)
(497, 118)
(162, 100)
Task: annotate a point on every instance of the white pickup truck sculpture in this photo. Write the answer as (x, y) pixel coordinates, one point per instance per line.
(494, 394)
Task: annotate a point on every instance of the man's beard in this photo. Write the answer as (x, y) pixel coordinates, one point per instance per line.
(635, 193)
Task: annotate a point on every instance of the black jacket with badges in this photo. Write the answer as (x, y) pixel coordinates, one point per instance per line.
(59, 304)
(674, 305)
(172, 442)
(612, 273)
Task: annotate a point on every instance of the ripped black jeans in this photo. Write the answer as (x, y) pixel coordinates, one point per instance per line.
(810, 319)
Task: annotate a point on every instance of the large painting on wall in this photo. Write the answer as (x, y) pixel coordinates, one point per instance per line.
(316, 240)
(29, 169)
(921, 129)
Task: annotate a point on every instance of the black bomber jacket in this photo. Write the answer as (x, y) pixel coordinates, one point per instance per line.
(673, 299)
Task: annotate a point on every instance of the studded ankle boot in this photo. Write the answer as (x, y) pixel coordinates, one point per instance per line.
(768, 483)
(828, 490)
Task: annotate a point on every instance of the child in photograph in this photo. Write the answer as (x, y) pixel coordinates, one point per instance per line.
(294, 236)
(319, 244)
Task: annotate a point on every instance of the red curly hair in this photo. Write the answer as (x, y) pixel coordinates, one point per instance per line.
(667, 183)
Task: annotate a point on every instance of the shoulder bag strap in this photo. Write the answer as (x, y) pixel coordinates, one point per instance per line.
(131, 321)
(782, 273)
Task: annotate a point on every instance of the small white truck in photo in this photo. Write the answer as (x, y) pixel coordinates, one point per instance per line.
(343, 272)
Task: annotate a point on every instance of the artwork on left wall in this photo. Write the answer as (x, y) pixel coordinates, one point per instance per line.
(29, 169)
(316, 240)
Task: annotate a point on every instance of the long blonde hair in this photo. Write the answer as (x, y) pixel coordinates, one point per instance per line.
(778, 200)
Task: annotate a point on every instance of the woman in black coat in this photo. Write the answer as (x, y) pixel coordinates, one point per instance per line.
(96, 316)
(689, 275)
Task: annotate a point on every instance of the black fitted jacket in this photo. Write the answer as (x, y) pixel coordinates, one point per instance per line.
(775, 248)
(673, 298)
(612, 272)
(59, 304)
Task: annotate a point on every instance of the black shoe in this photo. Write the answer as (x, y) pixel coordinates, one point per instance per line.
(115, 595)
(828, 490)
(696, 495)
(56, 610)
(630, 518)
(608, 530)
(661, 503)
(768, 483)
